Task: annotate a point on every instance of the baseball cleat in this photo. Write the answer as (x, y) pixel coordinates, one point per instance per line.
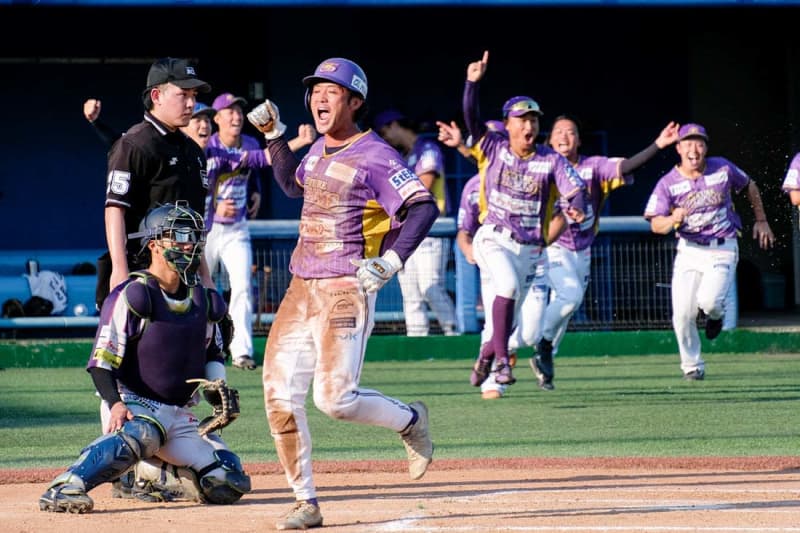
(304, 515)
(245, 362)
(713, 328)
(504, 375)
(695, 375)
(480, 371)
(66, 498)
(545, 382)
(418, 443)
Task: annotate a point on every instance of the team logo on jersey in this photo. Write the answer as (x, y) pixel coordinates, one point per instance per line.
(204, 177)
(507, 157)
(682, 187)
(345, 322)
(716, 178)
(401, 177)
(341, 172)
(540, 167)
(311, 162)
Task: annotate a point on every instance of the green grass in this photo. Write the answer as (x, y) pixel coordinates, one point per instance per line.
(603, 406)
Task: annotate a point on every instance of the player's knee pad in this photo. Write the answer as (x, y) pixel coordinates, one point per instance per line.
(143, 435)
(229, 487)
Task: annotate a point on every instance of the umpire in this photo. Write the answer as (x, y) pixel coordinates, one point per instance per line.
(152, 164)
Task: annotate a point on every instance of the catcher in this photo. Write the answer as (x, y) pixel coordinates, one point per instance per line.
(157, 336)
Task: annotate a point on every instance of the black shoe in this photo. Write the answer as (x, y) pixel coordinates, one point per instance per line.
(695, 375)
(713, 328)
(542, 364)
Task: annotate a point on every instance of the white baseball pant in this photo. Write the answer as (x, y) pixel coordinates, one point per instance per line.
(568, 276)
(422, 283)
(230, 244)
(701, 279)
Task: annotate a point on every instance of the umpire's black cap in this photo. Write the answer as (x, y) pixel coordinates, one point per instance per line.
(176, 71)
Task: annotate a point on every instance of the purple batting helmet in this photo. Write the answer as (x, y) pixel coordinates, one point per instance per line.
(520, 105)
(692, 130)
(340, 71)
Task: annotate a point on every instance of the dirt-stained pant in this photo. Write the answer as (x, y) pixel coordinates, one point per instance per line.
(320, 333)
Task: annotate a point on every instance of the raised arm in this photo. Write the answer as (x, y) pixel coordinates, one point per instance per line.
(472, 119)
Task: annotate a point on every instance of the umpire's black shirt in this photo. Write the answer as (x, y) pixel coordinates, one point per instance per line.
(150, 166)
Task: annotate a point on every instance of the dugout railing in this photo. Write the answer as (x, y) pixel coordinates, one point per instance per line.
(629, 287)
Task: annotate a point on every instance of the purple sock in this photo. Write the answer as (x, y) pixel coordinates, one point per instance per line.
(502, 320)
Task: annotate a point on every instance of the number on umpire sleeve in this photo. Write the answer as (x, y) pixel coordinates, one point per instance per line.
(119, 181)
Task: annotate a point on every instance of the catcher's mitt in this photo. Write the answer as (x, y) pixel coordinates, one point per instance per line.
(223, 399)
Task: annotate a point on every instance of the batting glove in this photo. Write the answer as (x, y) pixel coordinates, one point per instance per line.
(267, 119)
(373, 273)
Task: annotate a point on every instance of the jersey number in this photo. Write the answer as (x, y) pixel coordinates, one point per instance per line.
(119, 182)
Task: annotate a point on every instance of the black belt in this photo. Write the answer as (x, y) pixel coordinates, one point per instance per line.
(718, 241)
(508, 233)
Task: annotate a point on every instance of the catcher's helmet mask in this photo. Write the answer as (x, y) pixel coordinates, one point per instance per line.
(175, 226)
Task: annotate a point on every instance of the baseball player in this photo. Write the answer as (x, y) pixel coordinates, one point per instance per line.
(694, 200)
(791, 183)
(570, 256)
(354, 188)
(234, 195)
(532, 308)
(422, 279)
(157, 330)
(519, 181)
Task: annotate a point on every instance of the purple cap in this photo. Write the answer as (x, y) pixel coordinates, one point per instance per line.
(226, 100)
(202, 109)
(692, 130)
(520, 105)
(384, 118)
(496, 125)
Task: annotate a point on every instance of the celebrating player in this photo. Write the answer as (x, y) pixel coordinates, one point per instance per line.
(422, 279)
(569, 258)
(157, 330)
(354, 188)
(694, 199)
(517, 179)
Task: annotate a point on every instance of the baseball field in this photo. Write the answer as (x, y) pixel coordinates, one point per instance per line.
(622, 444)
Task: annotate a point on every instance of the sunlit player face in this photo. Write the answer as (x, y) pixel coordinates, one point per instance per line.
(522, 133)
(564, 138)
(693, 153)
(332, 107)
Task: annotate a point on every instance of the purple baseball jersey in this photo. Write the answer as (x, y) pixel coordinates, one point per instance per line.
(707, 200)
(517, 192)
(469, 208)
(601, 176)
(350, 199)
(232, 175)
(154, 355)
(425, 157)
(792, 180)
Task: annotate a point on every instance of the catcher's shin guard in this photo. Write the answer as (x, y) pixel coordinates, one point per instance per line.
(109, 456)
(229, 488)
